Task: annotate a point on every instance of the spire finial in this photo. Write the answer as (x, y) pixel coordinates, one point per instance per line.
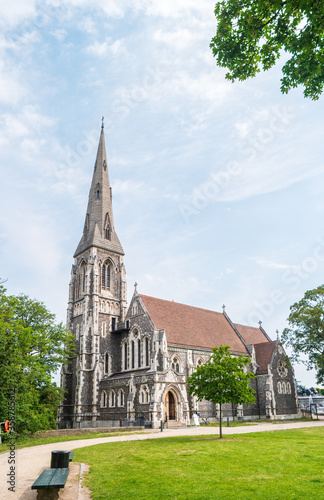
(260, 323)
(224, 307)
(278, 337)
(135, 286)
(102, 122)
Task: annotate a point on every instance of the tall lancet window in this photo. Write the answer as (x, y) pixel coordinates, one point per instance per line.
(108, 277)
(107, 228)
(125, 356)
(107, 363)
(139, 352)
(133, 354)
(147, 351)
(105, 276)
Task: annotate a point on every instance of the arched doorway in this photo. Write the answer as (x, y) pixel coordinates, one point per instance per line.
(170, 406)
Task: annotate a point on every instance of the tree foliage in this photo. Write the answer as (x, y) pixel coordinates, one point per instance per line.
(31, 349)
(222, 379)
(305, 331)
(252, 34)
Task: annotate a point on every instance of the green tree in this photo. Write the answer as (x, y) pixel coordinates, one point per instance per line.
(31, 349)
(252, 34)
(222, 379)
(305, 331)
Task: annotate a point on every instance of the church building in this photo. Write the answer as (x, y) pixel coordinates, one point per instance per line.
(131, 362)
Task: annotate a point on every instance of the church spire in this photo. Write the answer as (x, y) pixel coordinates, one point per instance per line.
(99, 228)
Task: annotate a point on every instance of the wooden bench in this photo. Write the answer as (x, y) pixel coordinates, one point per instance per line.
(71, 456)
(49, 482)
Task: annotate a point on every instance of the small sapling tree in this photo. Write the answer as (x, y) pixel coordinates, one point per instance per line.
(222, 379)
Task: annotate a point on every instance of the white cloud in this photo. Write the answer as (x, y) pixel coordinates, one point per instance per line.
(24, 124)
(60, 34)
(88, 26)
(115, 48)
(127, 186)
(273, 265)
(12, 13)
(178, 40)
(11, 90)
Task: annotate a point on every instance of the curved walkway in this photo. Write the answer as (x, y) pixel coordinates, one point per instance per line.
(31, 461)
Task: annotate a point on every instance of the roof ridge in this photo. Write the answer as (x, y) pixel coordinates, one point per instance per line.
(180, 304)
(246, 326)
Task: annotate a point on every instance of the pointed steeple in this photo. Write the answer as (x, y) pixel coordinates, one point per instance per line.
(99, 230)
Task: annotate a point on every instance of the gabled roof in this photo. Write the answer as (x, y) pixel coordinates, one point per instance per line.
(263, 355)
(192, 327)
(251, 335)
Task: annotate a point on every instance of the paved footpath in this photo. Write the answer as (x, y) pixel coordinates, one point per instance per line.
(31, 461)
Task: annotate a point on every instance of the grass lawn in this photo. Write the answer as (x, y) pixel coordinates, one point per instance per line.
(271, 465)
(25, 442)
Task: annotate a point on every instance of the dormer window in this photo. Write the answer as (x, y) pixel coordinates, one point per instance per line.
(107, 228)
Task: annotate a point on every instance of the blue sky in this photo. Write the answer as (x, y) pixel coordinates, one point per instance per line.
(218, 187)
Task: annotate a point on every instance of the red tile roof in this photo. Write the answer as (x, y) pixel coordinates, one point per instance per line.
(192, 327)
(251, 334)
(263, 354)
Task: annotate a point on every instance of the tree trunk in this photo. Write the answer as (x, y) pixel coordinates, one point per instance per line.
(220, 421)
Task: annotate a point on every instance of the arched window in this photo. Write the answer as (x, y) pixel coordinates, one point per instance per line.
(83, 278)
(139, 353)
(105, 276)
(133, 354)
(77, 286)
(283, 385)
(125, 357)
(288, 388)
(144, 395)
(200, 362)
(147, 351)
(121, 398)
(279, 388)
(107, 363)
(104, 399)
(108, 277)
(112, 398)
(175, 365)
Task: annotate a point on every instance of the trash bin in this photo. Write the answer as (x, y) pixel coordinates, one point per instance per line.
(60, 459)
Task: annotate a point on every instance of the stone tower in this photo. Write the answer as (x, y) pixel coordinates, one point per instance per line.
(97, 301)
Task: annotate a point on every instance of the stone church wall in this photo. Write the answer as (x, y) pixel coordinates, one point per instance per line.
(283, 385)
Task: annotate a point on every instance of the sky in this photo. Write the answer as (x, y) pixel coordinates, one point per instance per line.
(217, 186)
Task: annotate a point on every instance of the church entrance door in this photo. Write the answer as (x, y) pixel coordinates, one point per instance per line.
(170, 406)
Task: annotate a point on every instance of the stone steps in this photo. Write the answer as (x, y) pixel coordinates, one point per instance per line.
(173, 424)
